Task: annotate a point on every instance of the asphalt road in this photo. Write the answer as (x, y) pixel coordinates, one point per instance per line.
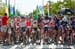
(51, 46)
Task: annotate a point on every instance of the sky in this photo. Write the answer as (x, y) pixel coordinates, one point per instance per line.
(27, 6)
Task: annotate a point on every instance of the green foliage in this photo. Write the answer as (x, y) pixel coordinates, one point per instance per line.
(45, 10)
(55, 7)
(69, 4)
(2, 9)
(36, 12)
(17, 13)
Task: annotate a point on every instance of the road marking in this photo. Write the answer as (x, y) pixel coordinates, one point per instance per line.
(13, 47)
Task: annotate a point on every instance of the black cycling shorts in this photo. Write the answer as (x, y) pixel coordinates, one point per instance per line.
(22, 29)
(46, 29)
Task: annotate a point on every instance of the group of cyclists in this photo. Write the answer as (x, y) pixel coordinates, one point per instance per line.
(54, 29)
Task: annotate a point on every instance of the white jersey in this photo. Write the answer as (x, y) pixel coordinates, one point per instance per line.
(22, 24)
(12, 23)
(34, 23)
(65, 19)
(17, 24)
(45, 23)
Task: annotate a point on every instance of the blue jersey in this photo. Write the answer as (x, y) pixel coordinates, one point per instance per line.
(73, 24)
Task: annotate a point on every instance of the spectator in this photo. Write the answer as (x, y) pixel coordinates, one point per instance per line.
(4, 22)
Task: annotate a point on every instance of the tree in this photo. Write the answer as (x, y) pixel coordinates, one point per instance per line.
(36, 12)
(2, 9)
(69, 4)
(17, 13)
(45, 10)
(55, 7)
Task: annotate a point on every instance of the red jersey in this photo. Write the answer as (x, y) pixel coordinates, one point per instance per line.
(28, 23)
(4, 20)
(52, 23)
